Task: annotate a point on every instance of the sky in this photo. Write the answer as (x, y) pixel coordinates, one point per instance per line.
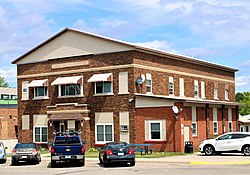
(216, 31)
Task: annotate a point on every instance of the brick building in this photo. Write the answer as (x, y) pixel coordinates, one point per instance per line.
(8, 113)
(116, 91)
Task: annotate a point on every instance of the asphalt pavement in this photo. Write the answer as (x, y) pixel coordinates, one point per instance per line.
(195, 158)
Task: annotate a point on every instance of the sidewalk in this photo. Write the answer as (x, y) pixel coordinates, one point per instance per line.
(195, 158)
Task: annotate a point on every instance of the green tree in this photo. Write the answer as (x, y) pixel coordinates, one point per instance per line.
(244, 98)
(3, 83)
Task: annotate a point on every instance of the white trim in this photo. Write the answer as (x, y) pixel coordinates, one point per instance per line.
(103, 124)
(155, 121)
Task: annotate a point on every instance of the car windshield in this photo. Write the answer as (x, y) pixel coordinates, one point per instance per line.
(1, 152)
(67, 141)
(25, 145)
(116, 146)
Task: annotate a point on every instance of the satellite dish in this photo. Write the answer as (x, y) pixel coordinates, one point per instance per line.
(175, 109)
(139, 81)
(143, 77)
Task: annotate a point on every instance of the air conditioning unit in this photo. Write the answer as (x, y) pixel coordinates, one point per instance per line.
(124, 128)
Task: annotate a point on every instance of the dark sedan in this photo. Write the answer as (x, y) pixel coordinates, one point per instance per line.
(27, 152)
(116, 153)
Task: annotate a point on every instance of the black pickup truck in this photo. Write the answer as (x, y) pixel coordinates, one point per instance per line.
(67, 147)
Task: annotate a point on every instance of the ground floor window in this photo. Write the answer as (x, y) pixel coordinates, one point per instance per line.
(230, 126)
(104, 133)
(194, 128)
(40, 133)
(155, 130)
(215, 127)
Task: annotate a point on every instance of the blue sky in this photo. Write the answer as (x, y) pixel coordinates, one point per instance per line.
(212, 30)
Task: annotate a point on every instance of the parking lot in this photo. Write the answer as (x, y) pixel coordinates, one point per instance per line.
(188, 164)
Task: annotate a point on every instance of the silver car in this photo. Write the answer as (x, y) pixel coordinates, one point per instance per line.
(2, 153)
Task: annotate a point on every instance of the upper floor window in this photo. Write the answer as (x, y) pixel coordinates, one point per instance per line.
(69, 86)
(181, 87)
(226, 94)
(196, 88)
(103, 87)
(70, 89)
(103, 83)
(148, 83)
(216, 93)
(171, 85)
(40, 91)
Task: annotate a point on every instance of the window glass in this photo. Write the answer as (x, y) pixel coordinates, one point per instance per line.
(107, 87)
(225, 137)
(104, 133)
(215, 93)
(41, 134)
(226, 94)
(41, 91)
(108, 132)
(100, 133)
(155, 131)
(103, 87)
(230, 127)
(171, 88)
(70, 89)
(215, 127)
(194, 128)
(238, 136)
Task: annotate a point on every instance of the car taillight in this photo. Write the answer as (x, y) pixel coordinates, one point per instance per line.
(83, 150)
(34, 151)
(52, 150)
(131, 151)
(13, 151)
(109, 152)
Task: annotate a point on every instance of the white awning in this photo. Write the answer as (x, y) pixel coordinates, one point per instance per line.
(38, 83)
(100, 77)
(68, 80)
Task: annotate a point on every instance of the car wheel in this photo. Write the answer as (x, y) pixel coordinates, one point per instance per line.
(14, 162)
(53, 164)
(246, 150)
(209, 150)
(100, 159)
(132, 163)
(82, 162)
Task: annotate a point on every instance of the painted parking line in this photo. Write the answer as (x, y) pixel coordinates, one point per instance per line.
(219, 163)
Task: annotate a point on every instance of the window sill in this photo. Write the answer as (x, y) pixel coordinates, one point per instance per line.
(104, 94)
(71, 96)
(123, 93)
(40, 98)
(216, 98)
(24, 99)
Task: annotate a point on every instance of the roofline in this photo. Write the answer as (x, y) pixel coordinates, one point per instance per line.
(136, 47)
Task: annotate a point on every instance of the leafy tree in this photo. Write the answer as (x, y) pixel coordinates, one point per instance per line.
(244, 98)
(3, 83)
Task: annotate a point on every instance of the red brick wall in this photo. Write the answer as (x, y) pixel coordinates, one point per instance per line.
(8, 121)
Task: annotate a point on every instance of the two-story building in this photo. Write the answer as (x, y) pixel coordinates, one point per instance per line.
(116, 91)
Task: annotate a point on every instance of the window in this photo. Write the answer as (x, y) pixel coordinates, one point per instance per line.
(203, 90)
(103, 87)
(171, 85)
(216, 127)
(5, 97)
(194, 128)
(196, 88)
(247, 130)
(148, 83)
(226, 94)
(230, 126)
(70, 90)
(123, 82)
(41, 133)
(181, 87)
(25, 90)
(104, 133)
(216, 93)
(241, 129)
(155, 131)
(124, 128)
(41, 91)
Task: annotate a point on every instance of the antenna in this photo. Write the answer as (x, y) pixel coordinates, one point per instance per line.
(139, 81)
(175, 109)
(143, 77)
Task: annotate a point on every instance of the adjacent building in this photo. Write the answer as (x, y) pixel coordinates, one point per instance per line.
(8, 113)
(116, 91)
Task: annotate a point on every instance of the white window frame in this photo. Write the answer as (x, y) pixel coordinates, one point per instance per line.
(25, 90)
(40, 97)
(104, 93)
(103, 124)
(215, 122)
(40, 134)
(203, 90)
(171, 85)
(226, 94)
(148, 78)
(150, 136)
(194, 129)
(65, 96)
(196, 88)
(216, 93)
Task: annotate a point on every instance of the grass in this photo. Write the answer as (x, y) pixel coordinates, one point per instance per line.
(94, 154)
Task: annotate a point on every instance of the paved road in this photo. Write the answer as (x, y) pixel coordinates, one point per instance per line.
(142, 168)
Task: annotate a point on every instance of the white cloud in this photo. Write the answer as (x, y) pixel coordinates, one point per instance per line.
(243, 80)
(9, 73)
(157, 44)
(112, 22)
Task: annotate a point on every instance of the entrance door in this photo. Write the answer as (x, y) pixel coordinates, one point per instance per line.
(186, 134)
